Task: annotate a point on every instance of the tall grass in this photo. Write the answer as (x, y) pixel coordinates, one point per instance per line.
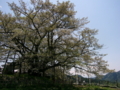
(26, 82)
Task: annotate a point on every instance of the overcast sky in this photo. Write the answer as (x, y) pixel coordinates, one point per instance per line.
(103, 15)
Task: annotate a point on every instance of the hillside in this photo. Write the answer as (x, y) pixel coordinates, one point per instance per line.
(113, 77)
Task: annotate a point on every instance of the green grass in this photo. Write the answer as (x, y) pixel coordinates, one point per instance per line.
(54, 88)
(27, 82)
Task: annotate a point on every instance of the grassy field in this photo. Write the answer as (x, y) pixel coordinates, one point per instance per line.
(26, 82)
(56, 88)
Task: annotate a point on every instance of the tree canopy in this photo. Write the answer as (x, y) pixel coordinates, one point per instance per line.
(45, 35)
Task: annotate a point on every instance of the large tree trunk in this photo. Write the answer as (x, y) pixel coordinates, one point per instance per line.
(13, 63)
(5, 63)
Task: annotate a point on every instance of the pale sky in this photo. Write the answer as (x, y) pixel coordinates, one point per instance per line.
(103, 15)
